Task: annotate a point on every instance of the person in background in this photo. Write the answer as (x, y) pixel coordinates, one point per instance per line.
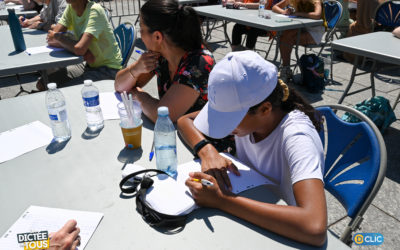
(310, 35)
(275, 133)
(89, 35)
(27, 4)
(50, 14)
(239, 30)
(345, 20)
(175, 54)
(363, 24)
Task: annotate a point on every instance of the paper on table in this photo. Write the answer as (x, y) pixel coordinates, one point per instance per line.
(21, 140)
(36, 219)
(42, 49)
(181, 202)
(108, 105)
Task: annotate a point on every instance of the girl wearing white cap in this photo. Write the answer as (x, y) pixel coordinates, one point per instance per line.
(275, 132)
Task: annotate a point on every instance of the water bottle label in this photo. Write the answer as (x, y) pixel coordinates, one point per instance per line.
(53, 117)
(91, 101)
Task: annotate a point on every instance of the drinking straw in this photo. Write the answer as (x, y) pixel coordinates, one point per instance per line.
(127, 108)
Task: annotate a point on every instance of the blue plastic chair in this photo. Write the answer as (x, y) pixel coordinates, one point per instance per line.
(355, 162)
(125, 34)
(387, 16)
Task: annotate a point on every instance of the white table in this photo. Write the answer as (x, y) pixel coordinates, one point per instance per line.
(85, 174)
(249, 17)
(18, 11)
(12, 62)
(380, 46)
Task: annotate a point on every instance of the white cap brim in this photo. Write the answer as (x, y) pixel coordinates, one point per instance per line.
(217, 124)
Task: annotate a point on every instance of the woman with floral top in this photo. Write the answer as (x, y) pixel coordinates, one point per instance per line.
(173, 38)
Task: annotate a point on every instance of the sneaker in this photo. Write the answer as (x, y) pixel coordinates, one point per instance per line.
(285, 74)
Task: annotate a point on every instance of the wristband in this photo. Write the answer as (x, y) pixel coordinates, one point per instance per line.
(199, 146)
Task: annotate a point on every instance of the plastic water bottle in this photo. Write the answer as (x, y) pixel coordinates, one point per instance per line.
(327, 68)
(91, 101)
(261, 8)
(2, 4)
(165, 142)
(16, 31)
(56, 107)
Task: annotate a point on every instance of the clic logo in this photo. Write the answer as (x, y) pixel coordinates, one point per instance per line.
(371, 239)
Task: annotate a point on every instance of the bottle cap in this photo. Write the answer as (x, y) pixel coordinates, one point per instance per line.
(52, 85)
(87, 82)
(163, 111)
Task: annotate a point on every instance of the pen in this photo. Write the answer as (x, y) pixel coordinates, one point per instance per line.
(204, 182)
(151, 152)
(23, 17)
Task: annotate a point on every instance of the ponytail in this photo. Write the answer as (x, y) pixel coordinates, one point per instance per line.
(288, 99)
(180, 24)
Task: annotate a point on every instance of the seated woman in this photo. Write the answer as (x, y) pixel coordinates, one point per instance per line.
(175, 54)
(275, 132)
(310, 35)
(239, 29)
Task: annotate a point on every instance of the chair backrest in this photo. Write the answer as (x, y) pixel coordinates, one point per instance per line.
(355, 162)
(333, 11)
(387, 16)
(125, 34)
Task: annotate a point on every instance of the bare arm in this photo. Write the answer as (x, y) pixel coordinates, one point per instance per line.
(280, 7)
(179, 98)
(305, 222)
(211, 161)
(316, 14)
(138, 73)
(29, 22)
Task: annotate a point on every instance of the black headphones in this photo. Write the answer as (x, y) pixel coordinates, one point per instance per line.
(149, 215)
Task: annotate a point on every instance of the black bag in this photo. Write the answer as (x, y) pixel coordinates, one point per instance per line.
(149, 215)
(312, 73)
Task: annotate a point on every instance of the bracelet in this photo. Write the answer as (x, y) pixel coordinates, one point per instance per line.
(199, 146)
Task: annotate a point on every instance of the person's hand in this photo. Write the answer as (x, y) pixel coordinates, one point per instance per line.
(34, 25)
(239, 4)
(206, 196)
(89, 57)
(50, 36)
(67, 238)
(136, 91)
(147, 62)
(214, 164)
(396, 32)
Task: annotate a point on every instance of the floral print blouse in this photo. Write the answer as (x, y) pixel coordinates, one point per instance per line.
(193, 71)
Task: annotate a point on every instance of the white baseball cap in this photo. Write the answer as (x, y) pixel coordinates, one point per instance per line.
(239, 81)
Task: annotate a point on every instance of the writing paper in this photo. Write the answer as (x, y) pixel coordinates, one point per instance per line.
(36, 219)
(172, 196)
(23, 139)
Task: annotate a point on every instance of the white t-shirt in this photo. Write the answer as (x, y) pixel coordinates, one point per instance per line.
(291, 153)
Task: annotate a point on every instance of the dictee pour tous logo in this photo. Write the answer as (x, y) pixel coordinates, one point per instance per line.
(34, 240)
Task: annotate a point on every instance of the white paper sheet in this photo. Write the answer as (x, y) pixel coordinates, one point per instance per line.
(21, 140)
(108, 104)
(173, 197)
(36, 219)
(41, 49)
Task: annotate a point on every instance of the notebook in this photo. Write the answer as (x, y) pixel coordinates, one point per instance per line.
(171, 195)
